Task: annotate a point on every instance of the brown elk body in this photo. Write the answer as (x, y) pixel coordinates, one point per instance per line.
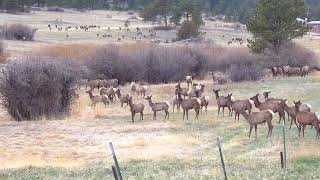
(158, 106)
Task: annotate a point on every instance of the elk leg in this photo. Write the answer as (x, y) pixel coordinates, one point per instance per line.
(299, 128)
(255, 129)
(303, 127)
(223, 111)
(141, 114)
(154, 115)
(187, 111)
(184, 112)
(250, 130)
(132, 116)
(167, 114)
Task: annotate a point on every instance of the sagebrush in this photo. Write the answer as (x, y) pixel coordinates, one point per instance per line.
(36, 87)
(17, 32)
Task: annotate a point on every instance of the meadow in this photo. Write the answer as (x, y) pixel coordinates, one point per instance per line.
(77, 147)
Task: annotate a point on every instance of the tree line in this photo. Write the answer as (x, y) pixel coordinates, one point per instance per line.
(234, 10)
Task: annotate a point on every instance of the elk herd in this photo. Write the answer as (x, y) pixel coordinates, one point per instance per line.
(292, 71)
(192, 97)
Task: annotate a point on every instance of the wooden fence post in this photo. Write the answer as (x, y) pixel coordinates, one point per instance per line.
(115, 174)
(284, 144)
(222, 161)
(281, 160)
(115, 161)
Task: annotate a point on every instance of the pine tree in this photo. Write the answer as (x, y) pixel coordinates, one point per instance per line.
(275, 24)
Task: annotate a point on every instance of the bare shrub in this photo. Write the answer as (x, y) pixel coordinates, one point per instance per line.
(17, 32)
(220, 58)
(238, 73)
(151, 63)
(2, 55)
(293, 55)
(36, 87)
(164, 28)
(55, 9)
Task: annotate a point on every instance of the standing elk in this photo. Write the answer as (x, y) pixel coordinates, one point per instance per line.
(136, 108)
(256, 118)
(223, 102)
(158, 106)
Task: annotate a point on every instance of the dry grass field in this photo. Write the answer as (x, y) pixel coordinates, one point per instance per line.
(77, 147)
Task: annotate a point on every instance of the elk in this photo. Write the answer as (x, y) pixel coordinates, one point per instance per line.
(204, 100)
(133, 88)
(158, 106)
(110, 92)
(189, 80)
(96, 99)
(123, 99)
(239, 104)
(271, 105)
(305, 71)
(135, 108)
(306, 118)
(184, 91)
(266, 97)
(188, 104)
(196, 89)
(94, 84)
(291, 111)
(142, 89)
(176, 102)
(256, 118)
(223, 102)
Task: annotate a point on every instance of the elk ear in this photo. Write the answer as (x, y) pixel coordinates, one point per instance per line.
(150, 95)
(269, 92)
(218, 89)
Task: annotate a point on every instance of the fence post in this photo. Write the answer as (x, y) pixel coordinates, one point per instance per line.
(115, 161)
(281, 160)
(284, 144)
(222, 161)
(114, 171)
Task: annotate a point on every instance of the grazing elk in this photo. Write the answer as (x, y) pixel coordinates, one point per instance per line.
(136, 108)
(256, 118)
(158, 106)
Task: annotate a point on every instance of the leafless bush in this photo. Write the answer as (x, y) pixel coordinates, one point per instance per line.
(238, 73)
(2, 55)
(220, 58)
(36, 87)
(151, 63)
(55, 9)
(293, 55)
(17, 32)
(164, 28)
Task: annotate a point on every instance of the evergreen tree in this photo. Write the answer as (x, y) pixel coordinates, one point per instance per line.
(275, 24)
